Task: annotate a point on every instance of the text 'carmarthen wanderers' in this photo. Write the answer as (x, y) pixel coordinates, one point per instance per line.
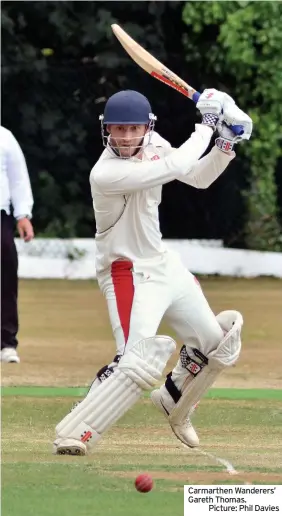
(230, 490)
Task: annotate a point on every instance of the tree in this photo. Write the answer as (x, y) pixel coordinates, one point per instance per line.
(60, 61)
(242, 49)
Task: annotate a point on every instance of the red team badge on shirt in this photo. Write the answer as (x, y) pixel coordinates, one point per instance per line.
(155, 157)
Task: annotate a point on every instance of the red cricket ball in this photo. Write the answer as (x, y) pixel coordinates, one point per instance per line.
(144, 483)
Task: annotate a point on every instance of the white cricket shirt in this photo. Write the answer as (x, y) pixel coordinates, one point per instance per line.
(126, 193)
(15, 183)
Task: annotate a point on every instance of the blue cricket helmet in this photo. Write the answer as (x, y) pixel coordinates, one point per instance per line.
(127, 107)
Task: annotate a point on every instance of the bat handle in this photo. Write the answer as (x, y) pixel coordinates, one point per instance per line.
(237, 129)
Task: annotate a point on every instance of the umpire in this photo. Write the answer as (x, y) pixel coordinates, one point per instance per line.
(15, 191)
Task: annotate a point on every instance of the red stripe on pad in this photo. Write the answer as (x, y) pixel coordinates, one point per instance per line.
(86, 437)
(122, 278)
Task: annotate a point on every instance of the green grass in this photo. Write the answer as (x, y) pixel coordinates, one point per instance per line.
(63, 490)
(245, 432)
(65, 337)
(214, 393)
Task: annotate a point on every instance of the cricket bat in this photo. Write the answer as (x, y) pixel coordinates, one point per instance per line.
(156, 69)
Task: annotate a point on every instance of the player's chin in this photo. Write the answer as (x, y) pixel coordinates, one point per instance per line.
(127, 153)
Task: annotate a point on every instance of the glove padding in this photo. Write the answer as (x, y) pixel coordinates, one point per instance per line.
(212, 102)
(233, 115)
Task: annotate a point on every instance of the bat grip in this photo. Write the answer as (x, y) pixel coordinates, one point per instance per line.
(237, 129)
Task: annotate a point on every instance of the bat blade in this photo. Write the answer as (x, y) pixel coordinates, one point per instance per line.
(156, 69)
(151, 65)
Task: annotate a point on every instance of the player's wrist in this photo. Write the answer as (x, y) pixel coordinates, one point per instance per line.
(224, 144)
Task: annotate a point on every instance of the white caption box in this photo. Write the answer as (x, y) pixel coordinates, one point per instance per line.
(203, 500)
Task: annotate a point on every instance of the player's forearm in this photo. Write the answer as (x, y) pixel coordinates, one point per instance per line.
(207, 169)
(19, 182)
(127, 176)
(186, 156)
(22, 202)
(21, 193)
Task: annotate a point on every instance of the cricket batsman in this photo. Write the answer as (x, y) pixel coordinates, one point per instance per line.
(144, 282)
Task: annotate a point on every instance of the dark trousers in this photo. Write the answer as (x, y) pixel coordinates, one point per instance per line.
(9, 284)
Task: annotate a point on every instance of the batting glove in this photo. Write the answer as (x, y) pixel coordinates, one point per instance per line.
(226, 139)
(233, 115)
(211, 106)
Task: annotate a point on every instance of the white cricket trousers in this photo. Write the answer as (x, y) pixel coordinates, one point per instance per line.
(140, 294)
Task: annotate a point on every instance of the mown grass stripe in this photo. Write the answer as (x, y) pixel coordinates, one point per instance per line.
(216, 393)
(245, 394)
